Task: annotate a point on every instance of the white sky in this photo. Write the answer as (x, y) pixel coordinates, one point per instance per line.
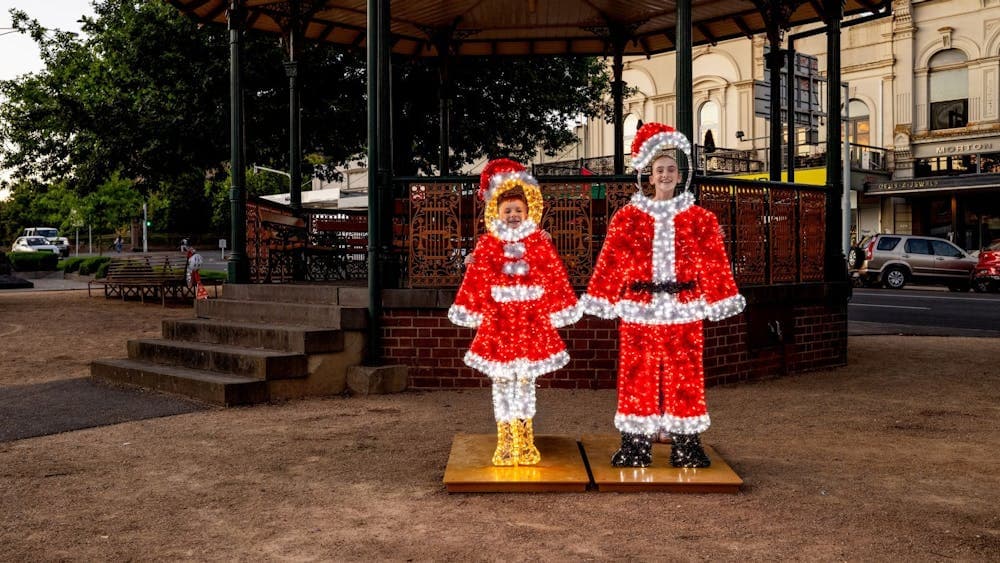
(18, 53)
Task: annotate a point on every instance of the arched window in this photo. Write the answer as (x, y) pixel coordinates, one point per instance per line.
(629, 127)
(949, 90)
(858, 124)
(708, 120)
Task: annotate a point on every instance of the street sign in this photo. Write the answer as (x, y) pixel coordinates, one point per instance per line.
(806, 99)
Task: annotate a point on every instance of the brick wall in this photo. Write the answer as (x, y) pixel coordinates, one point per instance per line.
(417, 333)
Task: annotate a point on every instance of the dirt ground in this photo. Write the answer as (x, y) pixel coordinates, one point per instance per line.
(894, 457)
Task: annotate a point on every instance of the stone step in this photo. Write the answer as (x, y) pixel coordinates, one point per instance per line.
(291, 293)
(301, 339)
(210, 387)
(249, 362)
(282, 313)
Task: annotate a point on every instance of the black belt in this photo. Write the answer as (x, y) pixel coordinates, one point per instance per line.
(664, 287)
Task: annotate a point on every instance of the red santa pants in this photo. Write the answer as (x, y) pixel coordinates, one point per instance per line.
(661, 381)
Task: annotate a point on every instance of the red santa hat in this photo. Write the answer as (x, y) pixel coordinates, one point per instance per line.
(498, 172)
(652, 138)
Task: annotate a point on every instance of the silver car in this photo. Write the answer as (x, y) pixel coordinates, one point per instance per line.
(895, 260)
(33, 244)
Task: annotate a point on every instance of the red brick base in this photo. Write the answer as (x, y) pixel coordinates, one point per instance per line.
(425, 340)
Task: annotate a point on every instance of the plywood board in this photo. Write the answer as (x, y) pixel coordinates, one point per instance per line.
(470, 470)
(661, 476)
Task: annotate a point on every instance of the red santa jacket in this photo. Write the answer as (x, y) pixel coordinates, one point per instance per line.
(516, 292)
(663, 262)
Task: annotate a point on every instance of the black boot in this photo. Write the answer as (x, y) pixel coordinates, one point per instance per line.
(636, 451)
(687, 451)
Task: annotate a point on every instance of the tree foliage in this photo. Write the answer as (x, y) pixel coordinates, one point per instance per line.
(143, 98)
(500, 107)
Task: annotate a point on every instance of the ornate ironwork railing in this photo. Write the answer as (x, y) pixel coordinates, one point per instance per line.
(337, 248)
(275, 237)
(314, 245)
(774, 232)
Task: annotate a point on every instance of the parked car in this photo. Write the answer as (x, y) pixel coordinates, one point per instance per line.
(33, 244)
(52, 235)
(895, 260)
(986, 276)
(856, 255)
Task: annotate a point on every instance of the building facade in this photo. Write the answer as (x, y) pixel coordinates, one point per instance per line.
(923, 116)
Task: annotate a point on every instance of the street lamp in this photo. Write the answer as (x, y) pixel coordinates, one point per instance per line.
(257, 168)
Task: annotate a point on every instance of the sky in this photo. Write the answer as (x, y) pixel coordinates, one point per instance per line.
(18, 53)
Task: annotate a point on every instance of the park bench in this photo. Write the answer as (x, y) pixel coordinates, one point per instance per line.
(148, 275)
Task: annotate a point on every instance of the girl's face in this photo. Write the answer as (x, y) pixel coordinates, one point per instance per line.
(664, 176)
(512, 212)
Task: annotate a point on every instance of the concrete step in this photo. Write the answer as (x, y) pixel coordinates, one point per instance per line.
(301, 339)
(292, 293)
(283, 313)
(210, 387)
(249, 362)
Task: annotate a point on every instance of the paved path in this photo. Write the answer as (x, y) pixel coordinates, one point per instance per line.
(48, 408)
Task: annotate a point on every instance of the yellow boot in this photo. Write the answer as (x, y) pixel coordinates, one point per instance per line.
(506, 452)
(527, 453)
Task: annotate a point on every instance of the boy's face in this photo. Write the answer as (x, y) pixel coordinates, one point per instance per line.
(512, 212)
(664, 176)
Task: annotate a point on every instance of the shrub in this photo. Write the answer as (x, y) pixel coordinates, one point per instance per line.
(33, 261)
(90, 265)
(213, 275)
(102, 270)
(71, 264)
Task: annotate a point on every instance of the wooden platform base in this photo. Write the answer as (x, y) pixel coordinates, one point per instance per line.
(661, 476)
(564, 469)
(471, 471)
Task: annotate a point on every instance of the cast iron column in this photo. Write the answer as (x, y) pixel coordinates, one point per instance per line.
(378, 171)
(775, 60)
(790, 111)
(444, 78)
(685, 97)
(835, 264)
(294, 120)
(374, 281)
(239, 271)
(618, 94)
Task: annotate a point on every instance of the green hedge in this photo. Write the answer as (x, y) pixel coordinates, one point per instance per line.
(33, 261)
(70, 264)
(91, 265)
(214, 275)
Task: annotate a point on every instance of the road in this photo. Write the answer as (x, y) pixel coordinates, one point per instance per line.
(924, 310)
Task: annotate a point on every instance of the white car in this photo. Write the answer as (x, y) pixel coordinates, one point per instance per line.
(33, 244)
(52, 235)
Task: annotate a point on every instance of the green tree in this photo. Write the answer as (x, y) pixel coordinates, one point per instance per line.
(113, 205)
(500, 107)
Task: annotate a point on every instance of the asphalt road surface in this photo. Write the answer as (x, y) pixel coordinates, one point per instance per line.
(924, 310)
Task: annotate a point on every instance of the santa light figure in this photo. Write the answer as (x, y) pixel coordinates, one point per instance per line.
(516, 293)
(662, 270)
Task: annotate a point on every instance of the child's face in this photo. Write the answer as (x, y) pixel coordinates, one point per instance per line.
(512, 212)
(664, 176)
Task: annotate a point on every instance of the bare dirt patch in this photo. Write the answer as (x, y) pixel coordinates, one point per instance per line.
(893, 457)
